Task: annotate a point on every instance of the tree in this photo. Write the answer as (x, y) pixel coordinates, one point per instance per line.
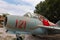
(50, 9)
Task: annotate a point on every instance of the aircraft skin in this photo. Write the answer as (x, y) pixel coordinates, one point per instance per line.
(23, 24)
(26, 25)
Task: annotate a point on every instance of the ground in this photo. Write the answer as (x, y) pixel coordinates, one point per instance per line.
(6, 36)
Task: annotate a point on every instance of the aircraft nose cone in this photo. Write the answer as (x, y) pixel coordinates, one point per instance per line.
(5, 21)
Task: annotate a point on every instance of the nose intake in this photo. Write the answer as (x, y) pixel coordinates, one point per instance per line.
(5, 21)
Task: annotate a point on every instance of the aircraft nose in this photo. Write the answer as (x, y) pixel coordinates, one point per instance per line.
(5, 21)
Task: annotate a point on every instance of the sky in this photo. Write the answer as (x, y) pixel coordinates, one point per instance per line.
(18, 7)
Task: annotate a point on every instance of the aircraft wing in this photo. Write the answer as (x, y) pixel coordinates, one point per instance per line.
(49, 27)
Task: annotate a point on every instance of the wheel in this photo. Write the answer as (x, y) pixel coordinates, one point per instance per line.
(19, 38)
(33, 35)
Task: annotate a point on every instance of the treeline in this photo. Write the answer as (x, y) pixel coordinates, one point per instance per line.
(50, 9)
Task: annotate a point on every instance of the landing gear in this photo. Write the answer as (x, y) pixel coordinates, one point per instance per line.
(18, 37)
(33, 35)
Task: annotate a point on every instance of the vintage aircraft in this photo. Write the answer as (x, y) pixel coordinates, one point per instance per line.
(26, 25)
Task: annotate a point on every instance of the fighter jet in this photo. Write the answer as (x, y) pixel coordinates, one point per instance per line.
(26, 25)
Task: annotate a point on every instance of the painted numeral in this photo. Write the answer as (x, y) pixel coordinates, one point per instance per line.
(21, 24)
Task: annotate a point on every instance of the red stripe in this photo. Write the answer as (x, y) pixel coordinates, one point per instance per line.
(20, 26)
(24, 24)
(16, 22)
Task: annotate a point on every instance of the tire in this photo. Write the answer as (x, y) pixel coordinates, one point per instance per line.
(19, 38)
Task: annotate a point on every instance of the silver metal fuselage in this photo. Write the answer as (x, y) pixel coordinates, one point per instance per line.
(23, 24)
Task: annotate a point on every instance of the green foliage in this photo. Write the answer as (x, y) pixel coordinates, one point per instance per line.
(50, 9)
